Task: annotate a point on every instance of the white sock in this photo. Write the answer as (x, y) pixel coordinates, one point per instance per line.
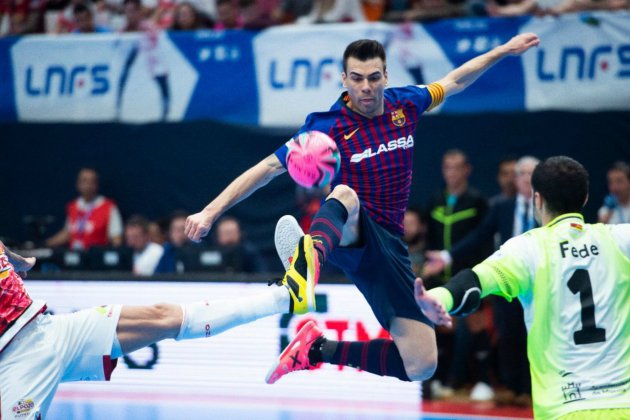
(209, 318)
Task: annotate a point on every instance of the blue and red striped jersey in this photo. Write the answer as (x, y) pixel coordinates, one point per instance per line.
(376, 153)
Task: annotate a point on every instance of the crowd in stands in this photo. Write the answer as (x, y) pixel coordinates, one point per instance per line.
(460, 227)
(94, 237)
(18, 17)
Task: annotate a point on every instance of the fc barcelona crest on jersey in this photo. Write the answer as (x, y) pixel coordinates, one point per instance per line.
(398, 117)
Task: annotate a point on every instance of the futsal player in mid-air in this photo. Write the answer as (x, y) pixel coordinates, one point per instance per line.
(359, 226)
(573, 280)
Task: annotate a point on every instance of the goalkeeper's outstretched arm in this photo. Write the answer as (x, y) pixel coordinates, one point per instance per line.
(461, 296)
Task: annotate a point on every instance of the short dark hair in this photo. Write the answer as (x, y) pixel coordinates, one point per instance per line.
(138, 221)
(456, 152)
(81, 8)
(507, 159)
(88, 168)
(422, 214)
(228, 218)
(363, 50)
(621, 166)
(563, 184)
(178, 214)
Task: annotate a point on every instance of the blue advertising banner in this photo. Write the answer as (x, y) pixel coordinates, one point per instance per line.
(226, 88)
(502, 87)
(583, 63)
(276, 77)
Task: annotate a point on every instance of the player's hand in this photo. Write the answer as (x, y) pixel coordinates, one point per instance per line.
(24, 265)
(434, 264)
(432, 308)
(521, 43)
(198, 225)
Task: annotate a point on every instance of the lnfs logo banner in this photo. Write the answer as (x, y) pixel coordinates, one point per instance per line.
(100, 78)
(582, 63)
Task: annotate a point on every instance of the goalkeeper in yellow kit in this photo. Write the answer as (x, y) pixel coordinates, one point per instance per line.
(573, 280)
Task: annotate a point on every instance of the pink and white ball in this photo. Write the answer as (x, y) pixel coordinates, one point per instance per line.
(313, 159)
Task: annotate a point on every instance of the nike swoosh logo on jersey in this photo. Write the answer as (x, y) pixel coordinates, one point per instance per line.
(347, 136)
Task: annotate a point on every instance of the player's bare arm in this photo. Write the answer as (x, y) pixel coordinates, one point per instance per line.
(198, 225)
(463, 76)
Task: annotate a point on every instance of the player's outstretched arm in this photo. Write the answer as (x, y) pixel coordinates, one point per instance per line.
(463, 76)
(460, 296)
(199, 224)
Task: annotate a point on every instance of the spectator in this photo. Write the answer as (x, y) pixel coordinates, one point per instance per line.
(84, 20)
(228, 15)
(373, 10)
(513, 8)
(177, 239)
(333, 11)
(290, 11)
(187, 18)
(238, 254)
(134, 16)
(176, 235)
(455, 212)
(66, 22)
(506, 175)
(158, 231)
(507, 217)
(422, 10)
(572, 6)
(21, 16)
(415, 224)
(91, 219)
(163, 14)
(616, 208)
(254, 16)
(146, 254)
(551, 7)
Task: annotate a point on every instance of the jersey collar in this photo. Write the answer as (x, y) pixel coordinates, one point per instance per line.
(565, 217)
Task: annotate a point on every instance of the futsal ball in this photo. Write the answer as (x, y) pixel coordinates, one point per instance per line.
(313, 159)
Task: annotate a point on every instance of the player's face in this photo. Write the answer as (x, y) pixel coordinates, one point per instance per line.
(365, 81)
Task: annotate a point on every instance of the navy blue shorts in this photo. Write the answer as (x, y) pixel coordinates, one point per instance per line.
(381, 270)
